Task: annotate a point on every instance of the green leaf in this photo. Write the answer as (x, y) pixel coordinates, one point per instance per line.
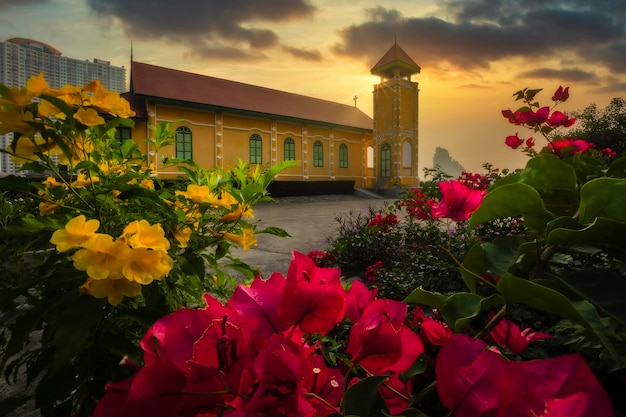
(428, 298)
(15, 183)
(603, 197)
(412, 412)
(461, 308)
(419, 367)
(502, 253)
(363, 399)
(604, 288)
(74, 326)
(276, 231)
(518, 290)
(473, 265)
(512, 200)
(617, 169)
(602, 232)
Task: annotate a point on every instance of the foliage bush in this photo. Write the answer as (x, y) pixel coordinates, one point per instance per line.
(98, 248)
(537, 329)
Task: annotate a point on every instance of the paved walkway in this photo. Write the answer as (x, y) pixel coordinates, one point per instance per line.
(309, 220)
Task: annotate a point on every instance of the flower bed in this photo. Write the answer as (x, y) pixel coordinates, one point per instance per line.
(493, 295)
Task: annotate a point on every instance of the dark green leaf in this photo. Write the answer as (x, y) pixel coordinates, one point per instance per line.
(473, 265)
(419, 367)
(15, 183)
(276, 231)
(461, 308)
(502, 253)
(604, 288)
(518, 290)
(602, 232)
(603, 197)
(617, 169)
(427, 298)
(363, 399)
(512, 200)
(75, 324)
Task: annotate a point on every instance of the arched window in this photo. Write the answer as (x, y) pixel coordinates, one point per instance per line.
(407, 154)
(256, 149)
(290, 150)
(370, 157)
(183, 143)
(343, 156)
(318, 154)
(385, 161)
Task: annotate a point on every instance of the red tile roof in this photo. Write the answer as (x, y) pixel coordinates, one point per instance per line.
(169, 84)
(395, 58)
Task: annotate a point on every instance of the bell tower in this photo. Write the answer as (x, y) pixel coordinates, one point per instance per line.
(396, 109)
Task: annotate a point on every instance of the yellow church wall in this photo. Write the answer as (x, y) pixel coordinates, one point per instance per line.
(286, 130)
(201, 123)
(236, 133)
(219, 139)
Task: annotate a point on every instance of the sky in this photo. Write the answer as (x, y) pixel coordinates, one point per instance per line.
(474, 54)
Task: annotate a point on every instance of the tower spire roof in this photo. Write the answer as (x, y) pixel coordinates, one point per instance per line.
(395, 60)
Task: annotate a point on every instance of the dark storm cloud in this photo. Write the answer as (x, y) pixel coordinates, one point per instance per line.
(310, 55)
(479, 32)
(205, 25)
(562, 74)
(5, 4)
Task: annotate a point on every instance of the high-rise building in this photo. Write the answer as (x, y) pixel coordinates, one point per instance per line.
(21, 58)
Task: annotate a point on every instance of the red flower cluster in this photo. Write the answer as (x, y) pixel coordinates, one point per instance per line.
(509, 336)
(418, 206)
(458, 201)
(321, 258)
(474, 181)
(384, 222)
(253, 356)
(477, 382)
(372, 270)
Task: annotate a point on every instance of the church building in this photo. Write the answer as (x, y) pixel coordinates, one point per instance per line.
(218, 121)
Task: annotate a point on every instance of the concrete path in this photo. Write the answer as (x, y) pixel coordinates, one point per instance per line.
(309, 220)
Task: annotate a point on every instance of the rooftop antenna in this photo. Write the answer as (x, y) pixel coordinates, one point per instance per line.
(355, 98)
(131, 51)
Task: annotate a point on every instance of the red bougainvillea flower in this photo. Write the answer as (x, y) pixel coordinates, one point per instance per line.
(532, 118)
(279, 367)
(581, 145)
(530, 142)
(313, 299)
(477, 382)
(608, 152)
(458, 202)
(515, 118)
(508, 335)
(261, 302)
(384, 221)
(513, 141)
(570, 146)
(326, 383)
(561, 94)
(358, 298)
(381, 342)
(435, 331)
(560, 119)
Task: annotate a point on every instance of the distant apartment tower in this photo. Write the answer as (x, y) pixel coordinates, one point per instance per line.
(21, 58)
